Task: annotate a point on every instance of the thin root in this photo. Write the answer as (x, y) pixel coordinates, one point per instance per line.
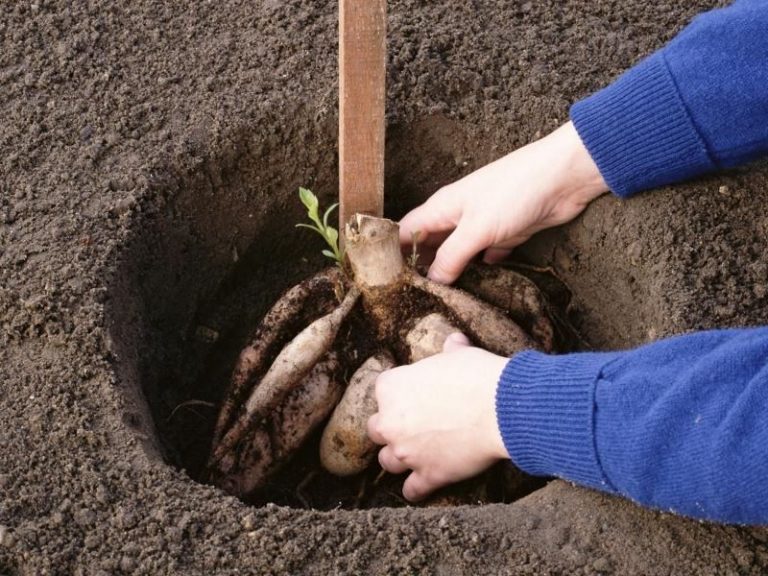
(302, 487)
(187, 404)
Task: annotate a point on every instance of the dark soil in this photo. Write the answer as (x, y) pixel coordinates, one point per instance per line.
(150, 149)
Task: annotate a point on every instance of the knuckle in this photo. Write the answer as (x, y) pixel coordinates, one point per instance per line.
(401, 452)
(381, 429)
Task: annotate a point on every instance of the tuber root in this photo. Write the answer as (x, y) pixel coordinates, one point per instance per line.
(510, 290)
(428, 335)
(484, 324)
(293, 362)
(252, 361)
(284, 429)
(345, 448)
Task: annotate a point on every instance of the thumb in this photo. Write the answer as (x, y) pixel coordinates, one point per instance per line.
(456, 341)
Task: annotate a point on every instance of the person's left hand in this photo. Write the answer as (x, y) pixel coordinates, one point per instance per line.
(437, 417)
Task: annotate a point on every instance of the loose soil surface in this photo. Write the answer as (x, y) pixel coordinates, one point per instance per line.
(150, 155)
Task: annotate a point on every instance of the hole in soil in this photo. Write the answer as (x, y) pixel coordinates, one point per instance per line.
(211, 250)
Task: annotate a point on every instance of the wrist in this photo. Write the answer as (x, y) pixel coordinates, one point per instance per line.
(579, 180)
(495, 441)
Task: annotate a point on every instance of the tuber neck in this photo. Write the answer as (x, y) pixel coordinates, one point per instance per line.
(373, 248)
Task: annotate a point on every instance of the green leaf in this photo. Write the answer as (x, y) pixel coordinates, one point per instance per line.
(315, 228)
(308, 198)
(328, 213)
(332, 235)
(329, 233)
(311, 202)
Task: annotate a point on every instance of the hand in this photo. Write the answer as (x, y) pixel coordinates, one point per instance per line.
(501, 205)
(437, 417)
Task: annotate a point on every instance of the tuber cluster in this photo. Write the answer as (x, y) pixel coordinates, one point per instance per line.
(293, 378)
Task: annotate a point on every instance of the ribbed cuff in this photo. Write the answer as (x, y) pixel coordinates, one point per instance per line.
(639, 132)
(545, 411)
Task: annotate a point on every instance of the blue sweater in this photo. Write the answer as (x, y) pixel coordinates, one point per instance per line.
(680, 424)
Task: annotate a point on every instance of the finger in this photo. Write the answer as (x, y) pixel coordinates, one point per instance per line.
(455, 253)
(495, 255)
(373, 429)
(390, 462)
(431, 239)
(417, 487)
(438, 214)
(455, 341)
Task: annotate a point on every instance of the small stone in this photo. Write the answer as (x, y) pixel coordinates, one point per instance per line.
(102, 494)
(85, 517)
(442, 523)
(117, 184)
(124, 205)
(724, 190)
(601, 565)
(86, 133)
(160, 515)
(537, 86)
(6, 536)
(126, 519)
(127, 564)
(532, 522)
(92, 541)
(634, 251)
(206, 334)
(184, 521)
(249, 522)
(174, 534)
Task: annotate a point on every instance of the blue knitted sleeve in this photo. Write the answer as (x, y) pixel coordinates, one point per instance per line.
(680, 424)
(698, 104)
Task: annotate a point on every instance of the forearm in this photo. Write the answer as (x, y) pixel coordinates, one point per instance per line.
(697, 105)
(677, 425)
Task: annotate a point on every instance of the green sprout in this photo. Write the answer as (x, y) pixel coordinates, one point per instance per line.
(413, 260)
(329, 233)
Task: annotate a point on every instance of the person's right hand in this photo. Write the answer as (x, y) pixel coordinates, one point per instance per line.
(501, 205)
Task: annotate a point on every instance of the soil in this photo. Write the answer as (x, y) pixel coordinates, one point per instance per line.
(150, 155)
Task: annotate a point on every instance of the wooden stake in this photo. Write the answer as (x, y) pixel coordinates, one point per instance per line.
(362, 94)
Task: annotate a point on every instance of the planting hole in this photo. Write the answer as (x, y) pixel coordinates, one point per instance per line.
(213, 246)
